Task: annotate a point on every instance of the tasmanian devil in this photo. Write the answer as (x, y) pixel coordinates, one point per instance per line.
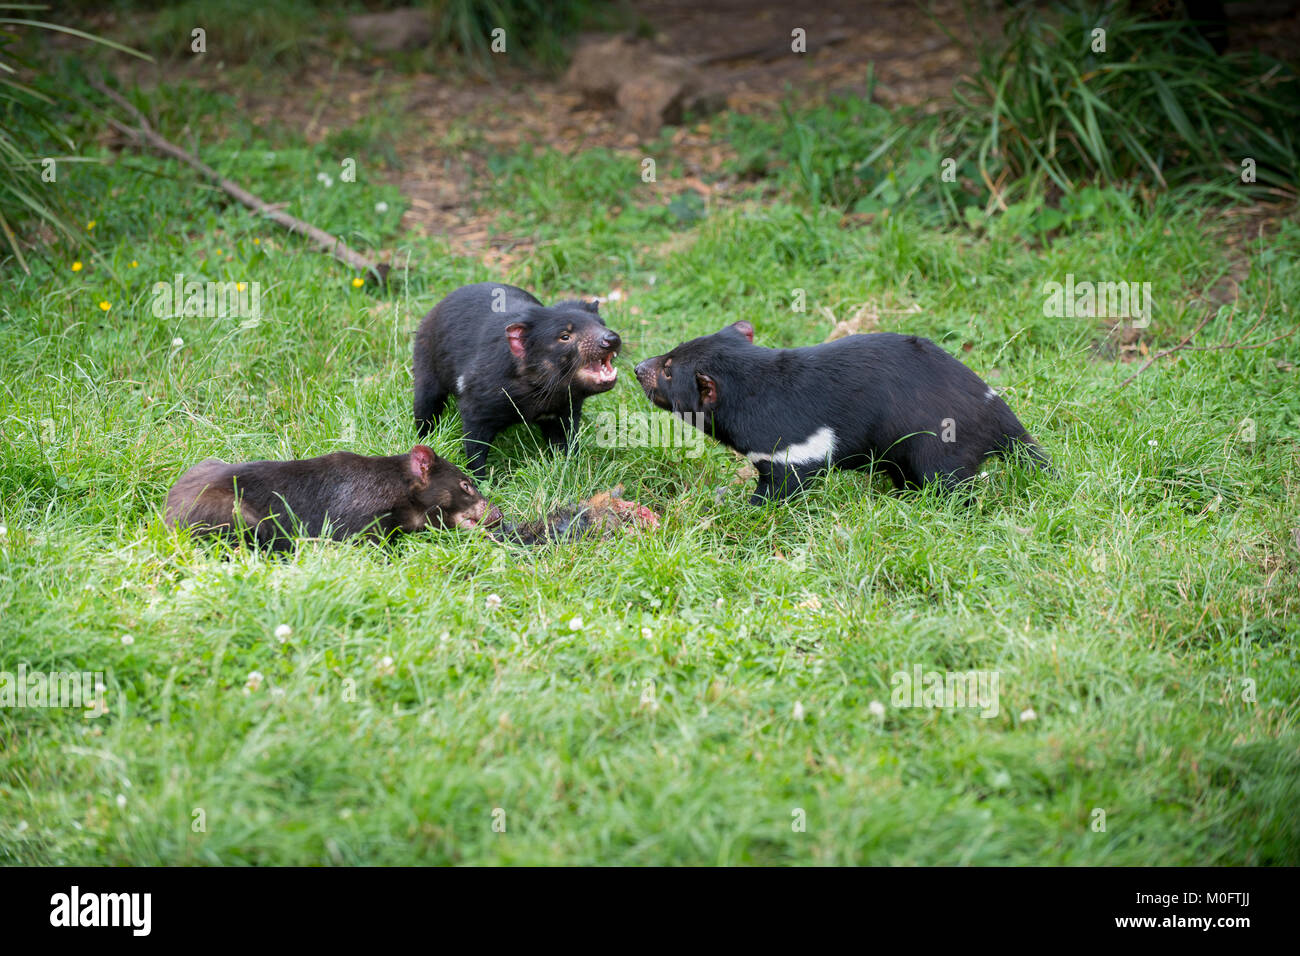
(509, 359)
(271, 501)
(897, 400)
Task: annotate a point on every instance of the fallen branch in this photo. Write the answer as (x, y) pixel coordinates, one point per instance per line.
(1239, 343)
(336, 247)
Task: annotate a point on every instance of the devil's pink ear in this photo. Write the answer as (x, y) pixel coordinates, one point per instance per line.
(744, 328)
(515, 336)
(422, 461)
(708, 390)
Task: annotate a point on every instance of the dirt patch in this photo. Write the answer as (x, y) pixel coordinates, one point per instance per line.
(741, 46)
(453, 122)
(915, 60)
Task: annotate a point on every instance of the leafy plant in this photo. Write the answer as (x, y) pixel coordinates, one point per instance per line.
(29, 123)
(537, 28)
(1044, 115)
(1094, 94)
(245, 31)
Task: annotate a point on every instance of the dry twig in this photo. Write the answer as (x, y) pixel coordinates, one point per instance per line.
(336, 247)
(1238, 343)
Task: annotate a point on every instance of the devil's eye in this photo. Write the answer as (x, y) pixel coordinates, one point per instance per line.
(564, 336)
(668, 369)
(464, 486)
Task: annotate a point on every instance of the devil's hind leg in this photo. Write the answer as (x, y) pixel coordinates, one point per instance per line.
(430, 399)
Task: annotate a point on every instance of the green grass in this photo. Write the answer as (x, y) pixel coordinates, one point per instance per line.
(1124, 601)
(32, 144)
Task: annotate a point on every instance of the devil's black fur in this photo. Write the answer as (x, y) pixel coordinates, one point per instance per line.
(509, 359)
(346, 494)
(898, 401)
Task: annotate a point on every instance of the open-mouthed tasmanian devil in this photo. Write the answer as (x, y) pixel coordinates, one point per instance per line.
(898, 401)
(509, 359)
(271, 502)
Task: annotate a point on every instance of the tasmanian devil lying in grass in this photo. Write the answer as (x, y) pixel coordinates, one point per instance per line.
(271, 501)
(897, 400)
(509, 359)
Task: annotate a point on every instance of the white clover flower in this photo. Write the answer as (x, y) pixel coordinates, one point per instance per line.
(647, 633)
(1028, 714)
(255, 679)
(3, 531)
(381, 206)
(1153, 443)
(493, 602)
(283, 633)
(177, 342)
(797, 713)
(576, 624)
(325, 178)
(121, 801)
(876, 709)
(128, 640)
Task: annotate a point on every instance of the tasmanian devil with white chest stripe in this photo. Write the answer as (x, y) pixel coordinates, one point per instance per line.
(898, 401)
(509, 359)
